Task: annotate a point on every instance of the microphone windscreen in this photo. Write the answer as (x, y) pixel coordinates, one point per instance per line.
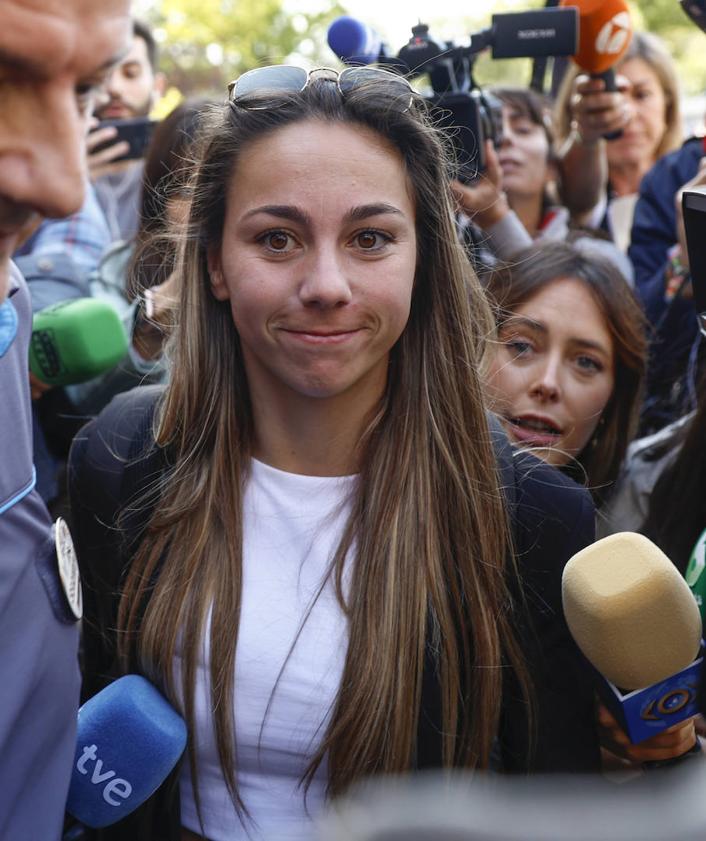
(605, 31)
(354, 41)
(129, 739)
(76, 340)
(630, 611)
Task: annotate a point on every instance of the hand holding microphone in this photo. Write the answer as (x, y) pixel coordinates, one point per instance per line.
(674, 742)
(596, 112)
(636, 621)
(605, 31)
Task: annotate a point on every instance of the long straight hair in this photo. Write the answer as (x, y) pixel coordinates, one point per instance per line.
(428, 529)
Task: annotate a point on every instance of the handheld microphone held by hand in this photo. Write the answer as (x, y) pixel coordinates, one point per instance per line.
(129, 739)
(76, 340)
(605, 31)
(636, 621)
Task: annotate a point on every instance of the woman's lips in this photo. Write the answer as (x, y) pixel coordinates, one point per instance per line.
(321, 337)
(533, 432)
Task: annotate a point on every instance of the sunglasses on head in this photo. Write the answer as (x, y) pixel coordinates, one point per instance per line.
(252, 88)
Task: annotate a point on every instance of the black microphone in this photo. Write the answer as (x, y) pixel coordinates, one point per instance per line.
(542, 32)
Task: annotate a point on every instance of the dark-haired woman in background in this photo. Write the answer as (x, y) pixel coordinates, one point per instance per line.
(566, 381)
(515, 201)
(567, 372)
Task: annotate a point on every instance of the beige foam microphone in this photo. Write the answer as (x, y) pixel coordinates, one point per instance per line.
(630, 611)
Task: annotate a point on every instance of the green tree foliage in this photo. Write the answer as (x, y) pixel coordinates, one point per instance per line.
(686, 42)
(660, 16)
(206, 43)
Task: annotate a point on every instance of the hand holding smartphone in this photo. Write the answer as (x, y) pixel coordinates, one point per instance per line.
(113, 141)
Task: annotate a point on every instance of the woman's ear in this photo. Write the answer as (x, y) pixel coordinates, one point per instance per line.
(219, 288)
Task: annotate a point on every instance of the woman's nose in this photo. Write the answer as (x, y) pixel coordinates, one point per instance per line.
(546, 386)
(325, 282)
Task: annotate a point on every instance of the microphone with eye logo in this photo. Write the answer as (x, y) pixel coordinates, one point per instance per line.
(636, 621)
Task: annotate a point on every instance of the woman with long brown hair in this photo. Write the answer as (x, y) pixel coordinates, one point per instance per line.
(567, 372)
(316, 568)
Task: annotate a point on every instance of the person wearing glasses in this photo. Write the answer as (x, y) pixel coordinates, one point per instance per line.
(312, 558)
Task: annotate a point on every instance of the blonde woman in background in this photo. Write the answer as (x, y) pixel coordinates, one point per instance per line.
(600, 178)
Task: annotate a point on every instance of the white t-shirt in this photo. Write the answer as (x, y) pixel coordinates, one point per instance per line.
(292, 527)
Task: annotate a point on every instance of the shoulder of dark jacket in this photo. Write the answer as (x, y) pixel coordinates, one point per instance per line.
(113, 442)
(676, 167)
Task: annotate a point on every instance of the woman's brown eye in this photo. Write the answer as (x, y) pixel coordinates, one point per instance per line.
(367, 240)
(279, 241)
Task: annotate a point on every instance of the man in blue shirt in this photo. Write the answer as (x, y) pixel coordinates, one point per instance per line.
(54, 54)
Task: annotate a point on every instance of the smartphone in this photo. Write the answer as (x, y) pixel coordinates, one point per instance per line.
(137, 131)
(693, 205)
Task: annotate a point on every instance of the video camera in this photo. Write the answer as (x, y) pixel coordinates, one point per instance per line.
(460, 105)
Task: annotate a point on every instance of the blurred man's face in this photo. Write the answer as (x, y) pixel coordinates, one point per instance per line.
(54, 55)
(131, 86)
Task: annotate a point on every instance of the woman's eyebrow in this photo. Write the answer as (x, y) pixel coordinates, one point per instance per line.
(515, 321)
(283, 211)
(363, 211)
(590, 345)
(296, 214)
(524, 321)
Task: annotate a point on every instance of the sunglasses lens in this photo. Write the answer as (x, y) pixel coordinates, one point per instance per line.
(278, 78)
(381, 81)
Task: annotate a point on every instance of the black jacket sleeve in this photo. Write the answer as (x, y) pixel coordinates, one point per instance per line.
(111, 463)
(553, 519)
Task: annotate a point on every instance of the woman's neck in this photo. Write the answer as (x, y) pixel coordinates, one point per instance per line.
(625, 178)
(312, 436)
(529, 210)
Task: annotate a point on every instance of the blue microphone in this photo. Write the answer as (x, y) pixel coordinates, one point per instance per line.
(354, 42)
(129, 739)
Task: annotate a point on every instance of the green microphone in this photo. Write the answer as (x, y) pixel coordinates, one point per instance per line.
(76, 340)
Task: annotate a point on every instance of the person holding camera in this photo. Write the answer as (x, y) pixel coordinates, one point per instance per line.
(514, 202)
